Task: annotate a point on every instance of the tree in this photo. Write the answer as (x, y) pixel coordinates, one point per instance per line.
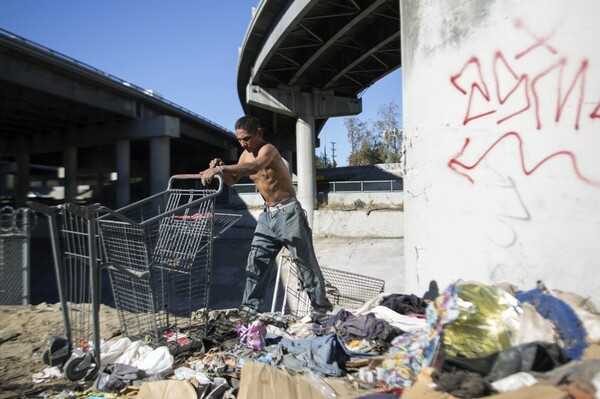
(378, 141)
(322, 161)
(355, 128)
(389, 128)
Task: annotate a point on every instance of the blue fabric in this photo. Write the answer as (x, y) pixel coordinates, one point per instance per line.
(285, 227)
(562, 316)
(324, 355)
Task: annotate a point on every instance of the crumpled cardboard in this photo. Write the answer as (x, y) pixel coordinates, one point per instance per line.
(263, 381)
(167, 389)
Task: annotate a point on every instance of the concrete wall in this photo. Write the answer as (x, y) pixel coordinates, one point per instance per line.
(360, 223)
(502, 127)
(347, 199)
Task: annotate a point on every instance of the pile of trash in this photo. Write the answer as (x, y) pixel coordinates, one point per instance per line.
(473, 340)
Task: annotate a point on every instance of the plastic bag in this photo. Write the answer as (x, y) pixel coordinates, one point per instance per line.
(488, 321)
(252, 336)
(156, 362)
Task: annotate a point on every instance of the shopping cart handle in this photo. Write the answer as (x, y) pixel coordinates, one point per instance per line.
(140, 275)
(195, 176)
(84, 211)
(39, 207)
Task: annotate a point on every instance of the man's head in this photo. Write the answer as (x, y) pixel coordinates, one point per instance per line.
(249, 133)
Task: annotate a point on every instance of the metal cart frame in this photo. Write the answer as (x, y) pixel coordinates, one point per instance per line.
(344, 289)
(75, 250)
(159, 252)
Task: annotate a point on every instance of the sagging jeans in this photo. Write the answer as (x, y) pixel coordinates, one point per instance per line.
(287, 227)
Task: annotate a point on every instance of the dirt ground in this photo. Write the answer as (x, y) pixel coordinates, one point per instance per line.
(24, 332)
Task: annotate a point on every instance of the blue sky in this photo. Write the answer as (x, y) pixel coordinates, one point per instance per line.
(186, 50)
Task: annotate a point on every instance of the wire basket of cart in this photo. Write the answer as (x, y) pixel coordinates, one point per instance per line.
(160, 253)
(76, 252)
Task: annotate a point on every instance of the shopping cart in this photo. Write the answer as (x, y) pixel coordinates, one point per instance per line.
(75, 251)
(159, 252)
(345, 290)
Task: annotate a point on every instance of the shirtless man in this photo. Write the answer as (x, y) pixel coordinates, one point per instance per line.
(283, 222)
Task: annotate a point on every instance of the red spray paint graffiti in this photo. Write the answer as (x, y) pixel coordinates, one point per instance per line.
(518, 93)
(478, 86)
(596, 112)
(473, 83)
(521, 81)
(539, 41)
(454, 163)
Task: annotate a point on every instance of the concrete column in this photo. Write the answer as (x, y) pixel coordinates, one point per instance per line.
(123, 173)
(22, 185)
(70, 162)
(3, 177)
(305, 145)
(287, 155)
(160, 163)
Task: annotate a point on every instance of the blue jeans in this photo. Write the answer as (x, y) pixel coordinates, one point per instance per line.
(287, 227)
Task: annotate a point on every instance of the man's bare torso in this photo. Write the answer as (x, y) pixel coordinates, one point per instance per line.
(274, 182)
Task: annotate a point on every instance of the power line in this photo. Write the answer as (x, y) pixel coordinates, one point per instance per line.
(333, 154)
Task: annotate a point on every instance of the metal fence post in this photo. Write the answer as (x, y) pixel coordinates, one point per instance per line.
(15, 266)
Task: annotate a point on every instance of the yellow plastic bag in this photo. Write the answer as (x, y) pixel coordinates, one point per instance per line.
(488, 321)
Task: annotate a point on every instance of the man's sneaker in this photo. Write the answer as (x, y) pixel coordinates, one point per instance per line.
(320, 316)
(247, 313)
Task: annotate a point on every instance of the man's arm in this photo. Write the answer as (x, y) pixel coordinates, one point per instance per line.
(245, 167)
(216, 168)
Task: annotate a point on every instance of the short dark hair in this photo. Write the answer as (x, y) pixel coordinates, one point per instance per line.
(248, 123)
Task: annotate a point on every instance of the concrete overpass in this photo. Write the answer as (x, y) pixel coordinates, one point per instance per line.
(301, 63)
(56, 111)
(305, 61)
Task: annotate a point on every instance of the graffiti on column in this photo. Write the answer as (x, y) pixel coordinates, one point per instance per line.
(454, 162)
(510, 93)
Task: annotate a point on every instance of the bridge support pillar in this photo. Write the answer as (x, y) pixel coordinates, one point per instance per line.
(70, 179)
(160, 163)
(305, 145)
(288, 156)
(22, 185)
(3, 176)
(122, 148)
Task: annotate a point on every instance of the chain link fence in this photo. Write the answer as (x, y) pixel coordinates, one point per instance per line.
(15, 266)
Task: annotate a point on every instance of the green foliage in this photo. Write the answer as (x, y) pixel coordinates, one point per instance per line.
(377, 141)
(322, 161)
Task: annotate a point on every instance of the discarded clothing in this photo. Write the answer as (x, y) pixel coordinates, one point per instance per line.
(462, 384)
(117, 376)
(412, 351)
(403, 322)
(350, 327)
(252, 336)
(538, 356)
(324, 355)
(562, 316)
(405, 304)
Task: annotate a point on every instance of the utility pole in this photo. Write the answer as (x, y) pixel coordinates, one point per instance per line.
(333, 154)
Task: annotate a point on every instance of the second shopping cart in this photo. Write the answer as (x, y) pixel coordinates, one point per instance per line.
(160, 253)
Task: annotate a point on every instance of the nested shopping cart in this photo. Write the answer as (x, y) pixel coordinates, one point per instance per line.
(76, 255)
(160, 252)
(345, 290)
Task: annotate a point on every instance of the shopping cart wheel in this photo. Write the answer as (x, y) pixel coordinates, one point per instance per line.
(93, 372)
(50, 360)
(58, 352)
(80, 367)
